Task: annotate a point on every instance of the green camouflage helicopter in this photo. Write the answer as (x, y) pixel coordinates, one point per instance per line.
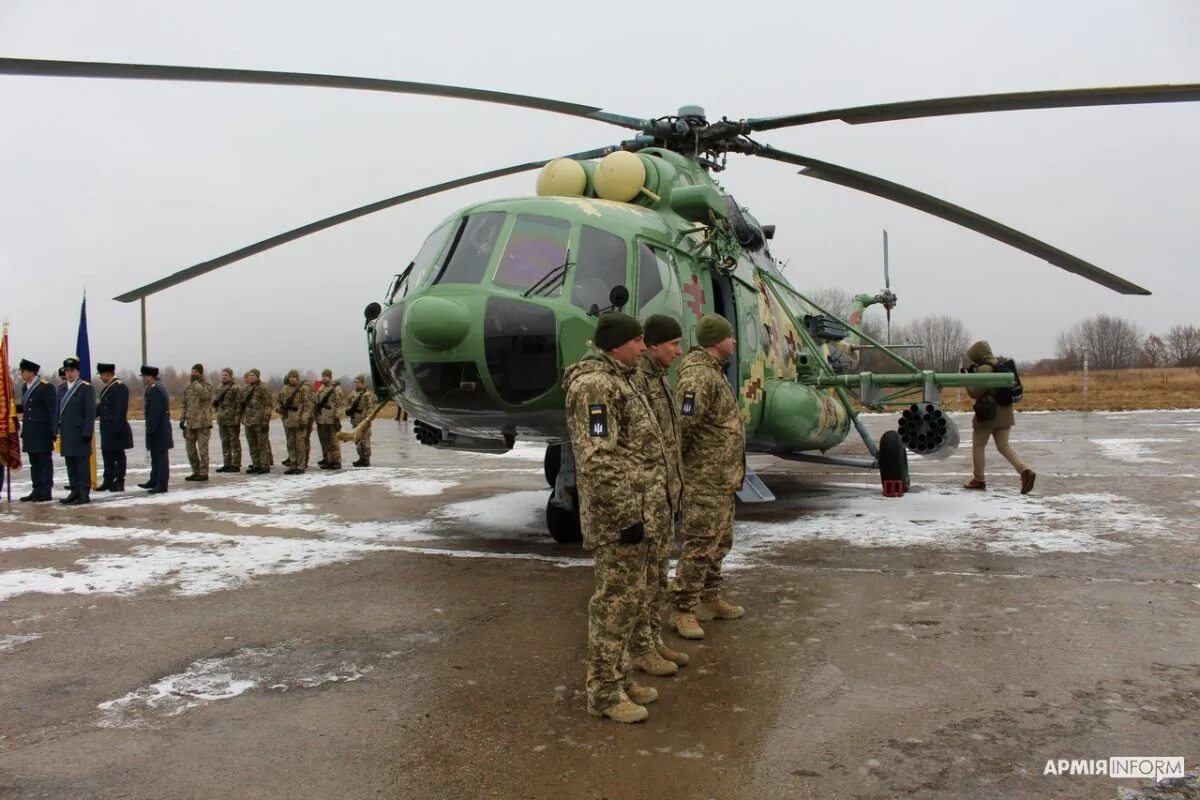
(472, 338)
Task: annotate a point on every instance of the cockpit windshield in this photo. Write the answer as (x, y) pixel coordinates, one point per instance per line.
(471, 248)
(536, 248)
(427, 255)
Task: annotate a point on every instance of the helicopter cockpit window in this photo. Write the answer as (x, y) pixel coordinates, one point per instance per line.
(536, 250)
(599, 268)
(427, 255)
(650, 282)
(472, 248)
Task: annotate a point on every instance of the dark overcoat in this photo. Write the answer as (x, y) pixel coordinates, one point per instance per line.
(77, 420)
(39, 413)
(158, 418)
(115, 433)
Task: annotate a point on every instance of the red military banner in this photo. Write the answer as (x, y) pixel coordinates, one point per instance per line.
(10, 438)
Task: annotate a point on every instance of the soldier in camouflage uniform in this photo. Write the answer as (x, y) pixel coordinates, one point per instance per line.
(621, 474)
(360, 405)
(713, 444)
(650, 653)
(195, 420)
(296, 408)
(328, 415)
(256, 416)
(228, 405)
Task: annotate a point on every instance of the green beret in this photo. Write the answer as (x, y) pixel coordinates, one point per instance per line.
(661, 328)
(712, 329)
(615, 329)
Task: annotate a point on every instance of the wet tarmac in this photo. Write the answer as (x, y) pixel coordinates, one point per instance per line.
(410, 631)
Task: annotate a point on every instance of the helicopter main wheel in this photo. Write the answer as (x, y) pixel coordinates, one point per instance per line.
(552, 463)
(563, 525)
(893, 459)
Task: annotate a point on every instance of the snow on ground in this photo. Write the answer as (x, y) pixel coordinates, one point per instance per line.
(953, 518)
(16, 640)
(279, 669)
(1132, 451)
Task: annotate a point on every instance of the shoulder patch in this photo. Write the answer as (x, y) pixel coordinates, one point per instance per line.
(598, 419)
(688, 408)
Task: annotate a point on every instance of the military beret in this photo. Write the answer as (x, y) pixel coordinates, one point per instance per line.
(71, 363)
(326, 373)
(106, 368)
(254, 371)
(198, 368)
(29, 365)
(151, 371)
(615, 329)
(292, 373)
(661, 328)
(712, 329)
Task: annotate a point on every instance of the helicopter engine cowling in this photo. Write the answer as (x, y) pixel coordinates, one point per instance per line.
(927, 430)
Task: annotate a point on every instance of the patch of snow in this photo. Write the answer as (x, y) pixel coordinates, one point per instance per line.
(1132, 451)
(513, 511)
(10, 641)
(210, 680)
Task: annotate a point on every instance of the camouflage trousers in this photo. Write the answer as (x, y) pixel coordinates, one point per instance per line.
(331, 448)
(297, 446)
(258, 442)
(364, 446)
(197, 448)
(231, 446)
(707, 539)
(612, 613)
(647, 633)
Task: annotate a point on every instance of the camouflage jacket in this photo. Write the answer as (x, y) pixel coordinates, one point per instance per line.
(361, 404)
(712, 438)
(329, 404)
(227, 400)
(296, 405)
(196, 409)
(652, 377)
(256, 404)
(620, 466)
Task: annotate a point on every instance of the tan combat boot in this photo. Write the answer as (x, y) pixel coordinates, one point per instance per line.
(654, 664)
(686, 625)
(718, 609)
(625, 711)
(680, 658)
(642, 695)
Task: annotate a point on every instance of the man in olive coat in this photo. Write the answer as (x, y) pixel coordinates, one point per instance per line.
(76, 427)
(159, 439)
(115, 434)
(992, 420)
(39, 411)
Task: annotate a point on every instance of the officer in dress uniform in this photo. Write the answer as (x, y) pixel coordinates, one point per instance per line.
(115, 434)
(76, 426)
(38, 409)
(158, 430)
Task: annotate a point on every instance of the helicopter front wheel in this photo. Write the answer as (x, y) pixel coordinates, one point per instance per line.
(893, 459)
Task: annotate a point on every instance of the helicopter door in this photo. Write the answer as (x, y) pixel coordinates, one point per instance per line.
(725, 305)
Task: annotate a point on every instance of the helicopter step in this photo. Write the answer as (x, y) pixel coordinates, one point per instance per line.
(562, 507)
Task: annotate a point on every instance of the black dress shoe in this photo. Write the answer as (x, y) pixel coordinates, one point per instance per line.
(104, 487)
(146, 485)
(287, 462)
(192, 478)
(32, 497)
(117, 487)
(157, 491)
(43, 498)
(69, 500)
(200, 478)
(293, 471)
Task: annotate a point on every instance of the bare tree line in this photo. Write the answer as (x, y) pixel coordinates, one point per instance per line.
(1115, 343)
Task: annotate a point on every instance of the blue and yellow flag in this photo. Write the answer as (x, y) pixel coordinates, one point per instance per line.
(83, 352)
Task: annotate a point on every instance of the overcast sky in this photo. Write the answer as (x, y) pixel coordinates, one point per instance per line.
(110, 185)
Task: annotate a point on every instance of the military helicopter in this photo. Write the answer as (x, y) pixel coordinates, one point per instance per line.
(473, 336)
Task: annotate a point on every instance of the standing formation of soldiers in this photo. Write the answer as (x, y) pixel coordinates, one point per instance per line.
(69, 412)
(645, 461)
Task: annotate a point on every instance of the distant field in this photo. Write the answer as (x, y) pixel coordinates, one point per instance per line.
(1123, 390)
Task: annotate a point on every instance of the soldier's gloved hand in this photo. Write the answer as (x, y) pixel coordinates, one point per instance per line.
(634, 534)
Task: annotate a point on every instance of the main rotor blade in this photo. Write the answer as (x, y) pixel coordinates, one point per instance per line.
(978, 104)
(337, 219)
(948, 211)
(156, 72)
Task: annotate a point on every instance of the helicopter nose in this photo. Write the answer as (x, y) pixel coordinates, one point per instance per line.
(438, 322)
